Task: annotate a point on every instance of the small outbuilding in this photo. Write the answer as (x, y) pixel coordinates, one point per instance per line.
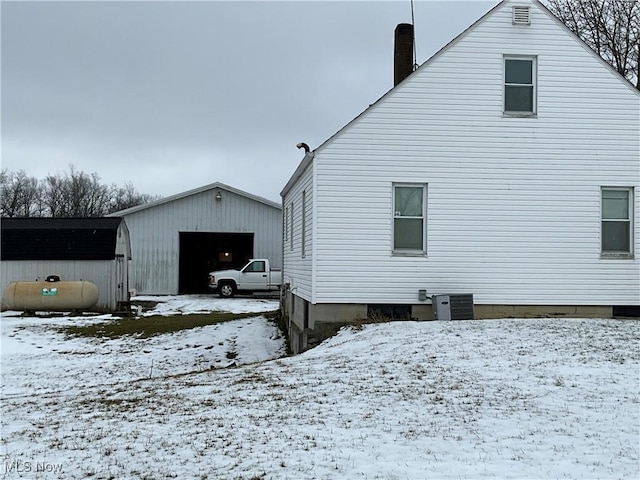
(73, 249)
(176, 241)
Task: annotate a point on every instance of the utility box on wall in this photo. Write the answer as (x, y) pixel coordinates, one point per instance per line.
(453, 307)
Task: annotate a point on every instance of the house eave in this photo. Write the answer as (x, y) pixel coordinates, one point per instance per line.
(306, 161)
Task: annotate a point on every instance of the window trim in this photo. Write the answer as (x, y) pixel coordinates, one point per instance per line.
(409, 251)
(304, 224)
(291, 226)
(534, 84)
(285, 223)
(608, 255)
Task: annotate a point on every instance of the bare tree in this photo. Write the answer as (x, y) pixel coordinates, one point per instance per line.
(19, 194)
(52, 196)
(609, 27)
(74, 194)
(87, 196)
(127, 197)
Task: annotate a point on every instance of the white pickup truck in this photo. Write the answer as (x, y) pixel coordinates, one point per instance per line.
(255, 276)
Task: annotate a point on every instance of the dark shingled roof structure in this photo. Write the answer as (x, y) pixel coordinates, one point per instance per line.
(59, 238)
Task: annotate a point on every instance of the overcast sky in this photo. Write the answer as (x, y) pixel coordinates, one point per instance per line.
(175, 95)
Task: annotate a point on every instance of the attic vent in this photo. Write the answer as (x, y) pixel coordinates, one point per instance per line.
(521, 15)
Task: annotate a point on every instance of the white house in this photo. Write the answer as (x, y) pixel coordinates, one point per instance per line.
(507, 166)
(177, 240)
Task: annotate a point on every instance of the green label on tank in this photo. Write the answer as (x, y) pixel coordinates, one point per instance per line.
(49, 292)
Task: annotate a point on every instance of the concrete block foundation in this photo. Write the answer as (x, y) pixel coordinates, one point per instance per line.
(310, 324)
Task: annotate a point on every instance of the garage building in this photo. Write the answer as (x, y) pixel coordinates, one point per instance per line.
(74, 249)
(177, 240)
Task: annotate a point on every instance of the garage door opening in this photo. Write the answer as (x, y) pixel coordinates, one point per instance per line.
(201, 253)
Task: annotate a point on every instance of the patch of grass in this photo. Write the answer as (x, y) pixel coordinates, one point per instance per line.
(252, 378)
(145, 327)
(122, 404)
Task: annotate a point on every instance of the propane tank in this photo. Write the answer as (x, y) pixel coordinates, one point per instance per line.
(52, 295)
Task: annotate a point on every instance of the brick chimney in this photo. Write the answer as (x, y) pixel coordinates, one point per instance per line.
(403, 53)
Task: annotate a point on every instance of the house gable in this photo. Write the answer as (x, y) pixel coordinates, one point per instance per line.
(539, 8)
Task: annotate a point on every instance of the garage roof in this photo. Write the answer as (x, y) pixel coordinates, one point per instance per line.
(195, 191)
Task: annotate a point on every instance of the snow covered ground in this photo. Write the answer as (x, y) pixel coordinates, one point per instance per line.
(544, 398)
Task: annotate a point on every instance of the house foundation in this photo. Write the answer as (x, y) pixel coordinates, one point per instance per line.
(310, 324)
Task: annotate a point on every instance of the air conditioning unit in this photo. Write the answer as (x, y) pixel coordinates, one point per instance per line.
(453, 307)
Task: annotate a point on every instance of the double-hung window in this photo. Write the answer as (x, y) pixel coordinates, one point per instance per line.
(409, 218)
(519, 85)
(617, 222)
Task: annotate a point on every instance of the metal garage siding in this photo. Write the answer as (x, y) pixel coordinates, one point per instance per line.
(154, 233)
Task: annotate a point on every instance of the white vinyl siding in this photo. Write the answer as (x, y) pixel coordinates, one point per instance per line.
(298, 258)
(513, 207)
(617, 222)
